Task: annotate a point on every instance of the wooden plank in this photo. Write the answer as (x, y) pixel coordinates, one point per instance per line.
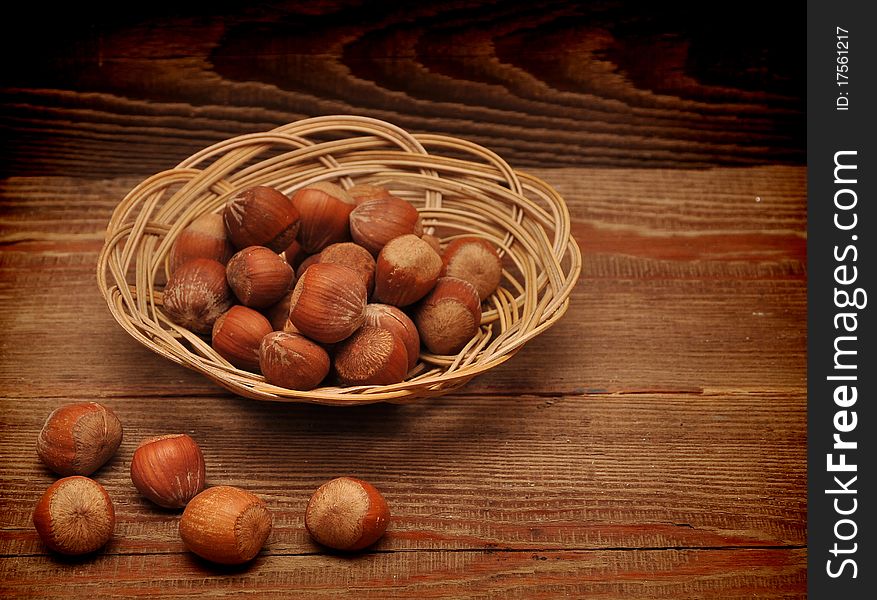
(572, 472)
(628, 335)
(687, 224)
(651, 445)
(545, 84)
(761, 573)
(740, 280)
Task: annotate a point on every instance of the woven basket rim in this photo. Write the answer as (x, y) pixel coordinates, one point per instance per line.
(460, 188)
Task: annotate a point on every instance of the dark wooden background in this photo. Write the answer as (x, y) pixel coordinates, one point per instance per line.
(651, 445)
(545, 83)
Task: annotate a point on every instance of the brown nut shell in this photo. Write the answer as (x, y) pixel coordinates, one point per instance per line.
(328, 303)
(278, 313)
(392, 318)
(293, 361)
(196, 294)
(406, 270)
(294, 254)
(477, 261)
(362, 192)
(237, 335)
(168, 469)
(259, 277)
(347, 514)
(375, 222)
(305, 263)
(205, 237)
(325, 210)
(75, 516)
(225, 525)
(433, 242)
(371, 356)
(261, 216)
(77, 439)
(354, 256)
(449, 317)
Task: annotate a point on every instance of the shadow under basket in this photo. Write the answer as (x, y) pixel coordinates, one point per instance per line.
(459, 188)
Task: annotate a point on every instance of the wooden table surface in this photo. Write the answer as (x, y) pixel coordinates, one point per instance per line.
(650, 445)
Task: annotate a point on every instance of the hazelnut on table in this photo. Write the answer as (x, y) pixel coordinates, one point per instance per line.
(77, 439)
(226, 525)
(347, 514)
(168, 469)
(75, 516)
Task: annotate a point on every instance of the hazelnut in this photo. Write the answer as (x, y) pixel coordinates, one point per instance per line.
(77, 439)
(237, 334)
(294, 254)
(288, 327)
(449, 316)
(390, 317)
(225, 525)
(261, 216)
(433, 242)
(347, 514)
(196, 294)
(375, 222)
(325, 209)
(75, 516)
(305, 263)
(205, 237)
(362, 192)
(477, 261)
(168, 469)
(292, 361)
(277, 314)
(259, 277)
(354, 256)
(328, 303)
(406, 270)
(371, 356)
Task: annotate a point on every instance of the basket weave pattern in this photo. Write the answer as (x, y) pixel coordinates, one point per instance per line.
(459, 188)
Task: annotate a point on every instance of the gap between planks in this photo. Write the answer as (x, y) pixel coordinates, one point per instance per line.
(534, 550)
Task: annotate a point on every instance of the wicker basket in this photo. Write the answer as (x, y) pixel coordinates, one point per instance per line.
(459, 187)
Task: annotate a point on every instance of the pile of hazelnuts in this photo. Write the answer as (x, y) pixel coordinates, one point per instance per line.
(330, 285)
(223, 524)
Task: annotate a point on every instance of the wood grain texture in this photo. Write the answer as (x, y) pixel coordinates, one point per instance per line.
(551, 473)
(546, 83)
(653, 444)
(650, 445)
(670, 574)
(545, 489)
(727, 245)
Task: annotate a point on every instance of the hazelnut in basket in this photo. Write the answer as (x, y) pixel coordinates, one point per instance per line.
(326, 320)
(361, 214)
